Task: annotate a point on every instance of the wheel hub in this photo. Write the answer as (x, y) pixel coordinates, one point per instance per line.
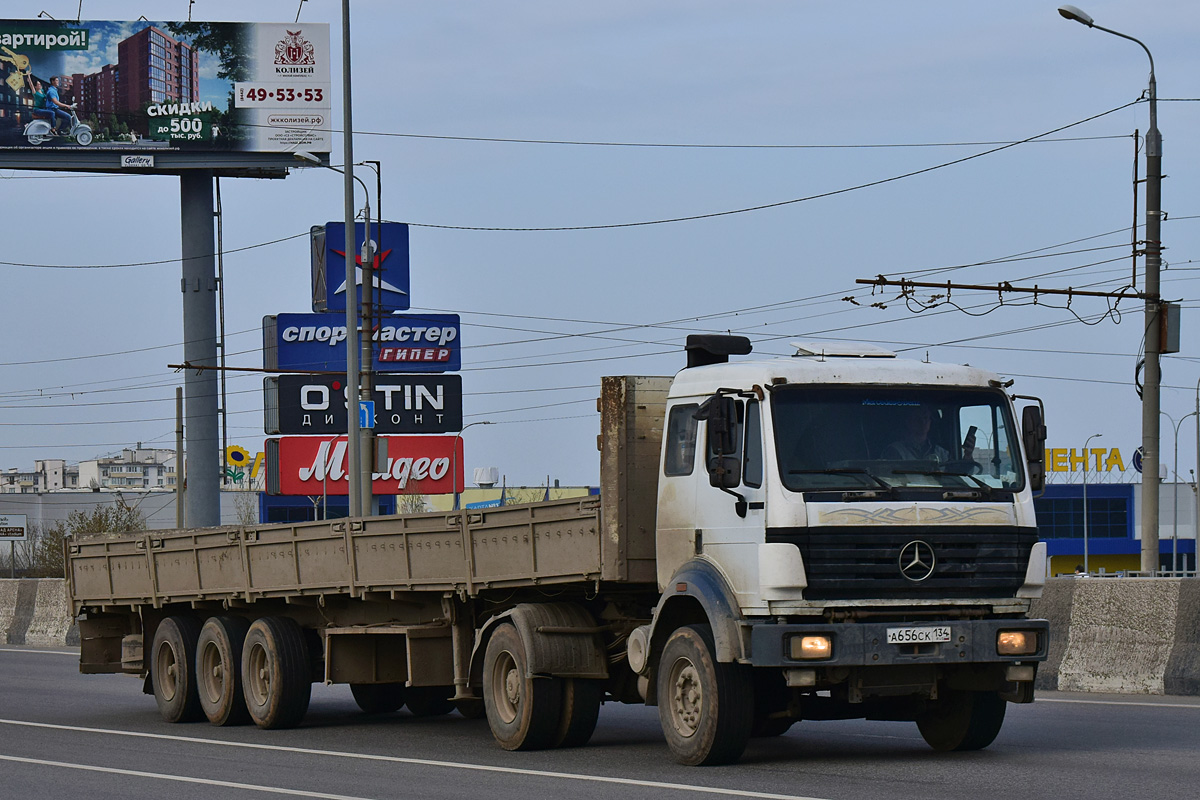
(688, 700)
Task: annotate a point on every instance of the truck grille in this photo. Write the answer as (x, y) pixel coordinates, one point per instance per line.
(864, 562)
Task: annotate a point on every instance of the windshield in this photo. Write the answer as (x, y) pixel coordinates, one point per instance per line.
(885, 438)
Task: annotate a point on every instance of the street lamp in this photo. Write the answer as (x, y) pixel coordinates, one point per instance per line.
(1153, 373)
(358, 466)
(1088, 441)
(1175, 521)
(454, 456)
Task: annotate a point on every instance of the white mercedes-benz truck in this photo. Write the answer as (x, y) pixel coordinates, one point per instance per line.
(837, 534)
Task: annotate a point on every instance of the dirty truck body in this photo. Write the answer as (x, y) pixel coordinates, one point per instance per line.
(761, 552)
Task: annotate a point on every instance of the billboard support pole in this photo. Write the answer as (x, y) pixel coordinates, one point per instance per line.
(354, 457)
(199, 285)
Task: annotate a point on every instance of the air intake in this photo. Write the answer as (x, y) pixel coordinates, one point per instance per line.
(714, 348)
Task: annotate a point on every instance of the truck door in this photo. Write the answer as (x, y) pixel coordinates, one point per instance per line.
(675, 528)
(731, 529)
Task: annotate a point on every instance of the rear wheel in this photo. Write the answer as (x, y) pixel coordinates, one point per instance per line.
(963, 721)
(580, 710)
(378, 698)
(173, 669)
(706, 708)
(275, 673)
(522, 711)
(219, 670)
(430, 701)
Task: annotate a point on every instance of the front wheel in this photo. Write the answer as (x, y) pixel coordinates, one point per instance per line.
(84, 136)
(963, 721)
(706, 708)
(523, 711)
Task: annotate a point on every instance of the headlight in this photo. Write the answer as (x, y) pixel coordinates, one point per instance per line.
(808, 648)
(1016, 643)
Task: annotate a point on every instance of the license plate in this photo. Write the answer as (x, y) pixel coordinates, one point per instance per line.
(940, 633)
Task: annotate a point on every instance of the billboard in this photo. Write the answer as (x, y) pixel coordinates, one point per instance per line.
(315, 465)
(316, 404)
(390, 277)
(163, 87)
(302, 342)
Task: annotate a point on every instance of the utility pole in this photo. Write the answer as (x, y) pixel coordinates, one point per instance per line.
(1153, 333)
(354, 456)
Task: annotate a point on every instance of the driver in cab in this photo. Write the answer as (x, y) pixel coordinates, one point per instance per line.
(914, 443)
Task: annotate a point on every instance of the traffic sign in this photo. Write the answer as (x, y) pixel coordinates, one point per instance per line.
(366, 414)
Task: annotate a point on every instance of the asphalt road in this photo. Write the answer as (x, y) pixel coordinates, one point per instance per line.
(66, 735)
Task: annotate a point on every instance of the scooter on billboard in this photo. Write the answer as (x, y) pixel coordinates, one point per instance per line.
(38, 131)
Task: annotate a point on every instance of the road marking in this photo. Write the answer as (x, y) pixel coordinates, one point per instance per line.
(535, 773)
(43, 652)
(180, 779)
(1117, 703)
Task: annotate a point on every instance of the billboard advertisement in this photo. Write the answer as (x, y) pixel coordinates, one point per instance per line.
(316, 404)
(390, 277)
(302, 342)
(163, 87)
(315, 465)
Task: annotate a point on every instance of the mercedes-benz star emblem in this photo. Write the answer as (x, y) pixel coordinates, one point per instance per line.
(917, 560)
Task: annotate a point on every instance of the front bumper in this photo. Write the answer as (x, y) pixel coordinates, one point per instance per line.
(865, 643)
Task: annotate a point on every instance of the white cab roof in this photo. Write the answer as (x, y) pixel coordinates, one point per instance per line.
(745, 373)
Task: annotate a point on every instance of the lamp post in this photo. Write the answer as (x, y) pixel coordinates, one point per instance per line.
(454, 456)
(358, 459)
(1153, 333)
(1175, 520)
(1088, 441)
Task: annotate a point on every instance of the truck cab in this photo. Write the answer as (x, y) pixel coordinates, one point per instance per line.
(855, 529)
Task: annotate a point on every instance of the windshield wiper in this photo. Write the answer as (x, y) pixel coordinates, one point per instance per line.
(987, 489)
(847, 471)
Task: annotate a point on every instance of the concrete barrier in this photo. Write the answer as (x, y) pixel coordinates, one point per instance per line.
(36, 612)
(1118, 635)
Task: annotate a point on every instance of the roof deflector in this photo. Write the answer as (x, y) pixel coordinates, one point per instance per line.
(841, 350)
(713, 348)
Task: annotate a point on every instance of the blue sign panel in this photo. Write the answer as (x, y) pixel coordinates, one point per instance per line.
(403, 343)
(390, 267)
(366, 414)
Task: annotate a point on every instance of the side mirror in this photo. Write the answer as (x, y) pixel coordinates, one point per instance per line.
(1033, 437)
(720, 412)
(724, 472)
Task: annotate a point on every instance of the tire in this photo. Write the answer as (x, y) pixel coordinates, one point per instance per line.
(963, 721)
(471, 708)
(219, 670)
(580, 710)
(378, 698)
(522, 711)
(173, 669)
(275, 673)
(770, 699)
(706, 708)
(84, 137)
(430, 701)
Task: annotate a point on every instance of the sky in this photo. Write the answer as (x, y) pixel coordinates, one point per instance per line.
(792, 100)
